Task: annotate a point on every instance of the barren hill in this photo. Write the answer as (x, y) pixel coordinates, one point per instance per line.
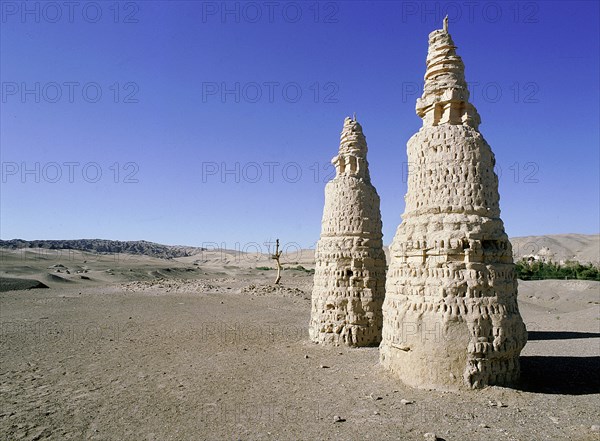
(582, 248)
(102, 246)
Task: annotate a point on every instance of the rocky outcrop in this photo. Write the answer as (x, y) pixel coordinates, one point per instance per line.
(102, 246)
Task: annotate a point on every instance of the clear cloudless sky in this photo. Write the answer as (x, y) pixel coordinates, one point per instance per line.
(194, 122)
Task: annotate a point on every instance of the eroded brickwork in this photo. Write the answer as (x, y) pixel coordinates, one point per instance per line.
(349, 281)
(451, 318)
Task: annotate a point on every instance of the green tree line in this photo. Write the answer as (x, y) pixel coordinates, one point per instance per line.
(549, 270)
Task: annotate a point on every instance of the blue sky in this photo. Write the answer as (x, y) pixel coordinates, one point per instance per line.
(196, 122)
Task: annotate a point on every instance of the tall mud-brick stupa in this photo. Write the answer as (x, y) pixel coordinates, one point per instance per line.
(450, 316)
(349, 281)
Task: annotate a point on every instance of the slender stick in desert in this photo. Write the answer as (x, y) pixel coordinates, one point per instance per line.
(276, 256)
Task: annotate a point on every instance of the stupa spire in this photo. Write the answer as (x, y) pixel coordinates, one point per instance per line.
(352, 157)
(349, 282)
(450, 315)
(445, 98)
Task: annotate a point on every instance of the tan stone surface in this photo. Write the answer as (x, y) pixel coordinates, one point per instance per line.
(451, 318)
(349, 280)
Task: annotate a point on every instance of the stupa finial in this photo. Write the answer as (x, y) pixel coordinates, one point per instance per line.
(445, 98)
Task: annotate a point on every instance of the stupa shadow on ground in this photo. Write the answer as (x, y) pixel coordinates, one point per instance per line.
(560, 375)
(560, 335)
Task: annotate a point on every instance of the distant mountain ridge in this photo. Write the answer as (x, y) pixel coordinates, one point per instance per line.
(584, 248)
(103, 246)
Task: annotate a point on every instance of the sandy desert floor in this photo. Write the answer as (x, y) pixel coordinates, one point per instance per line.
(206, 348)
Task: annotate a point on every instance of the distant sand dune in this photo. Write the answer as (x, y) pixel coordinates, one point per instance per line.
(14, 284)
(57, 279)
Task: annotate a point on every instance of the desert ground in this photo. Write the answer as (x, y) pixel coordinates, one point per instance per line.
(205, 347)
